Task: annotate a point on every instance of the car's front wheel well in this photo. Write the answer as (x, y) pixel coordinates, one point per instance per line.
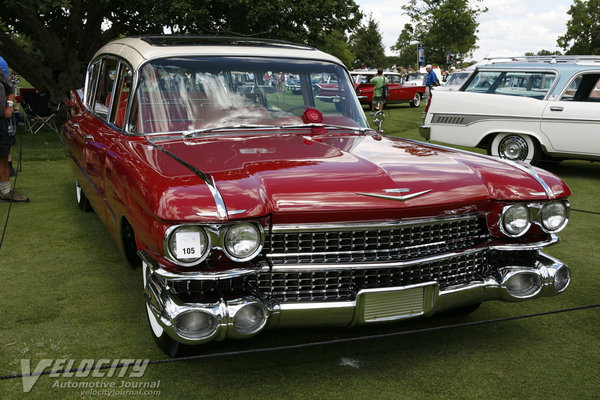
(129, 244)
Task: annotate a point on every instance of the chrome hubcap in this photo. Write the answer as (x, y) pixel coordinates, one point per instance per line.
(513, 148)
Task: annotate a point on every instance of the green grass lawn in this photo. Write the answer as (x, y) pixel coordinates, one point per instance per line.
(68, 293)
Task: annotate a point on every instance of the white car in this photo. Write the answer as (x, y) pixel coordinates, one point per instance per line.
(545, 108)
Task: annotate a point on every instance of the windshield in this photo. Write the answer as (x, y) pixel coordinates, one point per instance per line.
(196, 93)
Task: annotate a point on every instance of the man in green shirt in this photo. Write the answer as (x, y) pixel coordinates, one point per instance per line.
(378, 81)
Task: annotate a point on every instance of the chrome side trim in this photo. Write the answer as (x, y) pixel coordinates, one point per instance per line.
(528, 168)
(208, 179)
(469, 119)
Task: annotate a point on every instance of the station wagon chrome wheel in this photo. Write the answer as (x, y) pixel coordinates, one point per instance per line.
(416, 101)
(515, 147)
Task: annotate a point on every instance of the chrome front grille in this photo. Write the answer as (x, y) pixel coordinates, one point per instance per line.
(373, 243)
(344, 283)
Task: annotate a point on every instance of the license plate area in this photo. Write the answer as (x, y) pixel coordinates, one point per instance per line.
(395, 303)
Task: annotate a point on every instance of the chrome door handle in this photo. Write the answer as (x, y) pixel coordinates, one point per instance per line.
(89, 137)
(556, 108)
(75, 125)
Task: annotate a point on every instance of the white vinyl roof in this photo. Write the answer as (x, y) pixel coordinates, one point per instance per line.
(137, 50)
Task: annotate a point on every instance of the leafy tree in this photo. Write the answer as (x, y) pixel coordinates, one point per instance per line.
(583, 29)
(544, 53)
(443, 26)
(336, 43)
(367, 45)
(50, 42)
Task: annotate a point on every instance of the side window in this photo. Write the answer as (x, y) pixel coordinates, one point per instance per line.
(105, 87)
(91, 82)
(122, 88)
(482, 81)
(583, 88)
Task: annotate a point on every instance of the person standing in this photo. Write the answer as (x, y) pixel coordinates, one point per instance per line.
(378, 81)
(7, 99)
(430, 81)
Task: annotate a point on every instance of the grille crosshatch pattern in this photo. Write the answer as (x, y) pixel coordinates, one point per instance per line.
(376, 243)
(305, 251)
(344, 284)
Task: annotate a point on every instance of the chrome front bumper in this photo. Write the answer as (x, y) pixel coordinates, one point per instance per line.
(548, 277)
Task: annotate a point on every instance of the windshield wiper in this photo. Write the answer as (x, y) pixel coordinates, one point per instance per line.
(192, 133)
(350, 128)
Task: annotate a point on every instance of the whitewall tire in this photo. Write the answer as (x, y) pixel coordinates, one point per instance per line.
(515, 147)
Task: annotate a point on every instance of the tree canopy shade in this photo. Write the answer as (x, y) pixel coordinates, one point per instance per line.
(50, 42)
(367, 45)
(583, 29)
(443, 26)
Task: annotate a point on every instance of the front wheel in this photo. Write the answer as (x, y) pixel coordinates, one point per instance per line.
(515, 147)
(162, 339)
(416, 101)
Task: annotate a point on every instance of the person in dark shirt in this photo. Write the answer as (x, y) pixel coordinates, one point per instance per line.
(7, 140)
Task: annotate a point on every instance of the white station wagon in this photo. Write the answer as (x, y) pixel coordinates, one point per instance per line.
(547, 108)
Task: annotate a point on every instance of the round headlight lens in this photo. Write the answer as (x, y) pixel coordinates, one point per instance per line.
(243, 241)
(515, 220)
(554, 216)
(188, 244)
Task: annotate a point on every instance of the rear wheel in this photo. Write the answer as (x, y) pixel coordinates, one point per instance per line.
(416, 101)
(515, 147)
(82, 201)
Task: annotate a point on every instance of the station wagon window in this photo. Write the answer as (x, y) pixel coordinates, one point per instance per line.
(512, 83)
(189, 93)
(92, 81)
(122, 88)
(105, 88)
(583, 88)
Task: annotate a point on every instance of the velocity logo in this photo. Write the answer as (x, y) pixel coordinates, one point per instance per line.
(68, 368)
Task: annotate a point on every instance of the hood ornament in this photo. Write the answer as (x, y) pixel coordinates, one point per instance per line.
(393, 196)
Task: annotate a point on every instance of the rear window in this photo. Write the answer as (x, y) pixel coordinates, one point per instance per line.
(512, 83)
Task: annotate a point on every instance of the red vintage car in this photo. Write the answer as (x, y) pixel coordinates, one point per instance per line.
(399, 92)
(249, 206)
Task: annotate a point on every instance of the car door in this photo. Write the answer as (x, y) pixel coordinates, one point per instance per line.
(396, 90)
(572, 124)
(100, 134)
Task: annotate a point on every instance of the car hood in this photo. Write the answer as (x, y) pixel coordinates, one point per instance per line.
(295, 173)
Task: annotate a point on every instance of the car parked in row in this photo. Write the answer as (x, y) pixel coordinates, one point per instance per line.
(399, 91)
(249, 206)
(530, 109)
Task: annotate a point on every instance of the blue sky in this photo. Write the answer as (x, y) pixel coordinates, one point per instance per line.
(509, 28)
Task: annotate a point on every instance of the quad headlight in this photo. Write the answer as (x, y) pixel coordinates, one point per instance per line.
(514, 220)
(554, 216)
(187, 244)
(243, 241)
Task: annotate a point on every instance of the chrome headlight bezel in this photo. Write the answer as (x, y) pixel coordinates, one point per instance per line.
(247, 255)
(504, 222)
(169, 244)
(544, 217)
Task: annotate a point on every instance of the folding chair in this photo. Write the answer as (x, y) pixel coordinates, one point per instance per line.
(38, 111)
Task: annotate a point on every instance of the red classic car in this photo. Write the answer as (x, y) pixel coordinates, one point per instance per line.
(399, 92)
(249, 206)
